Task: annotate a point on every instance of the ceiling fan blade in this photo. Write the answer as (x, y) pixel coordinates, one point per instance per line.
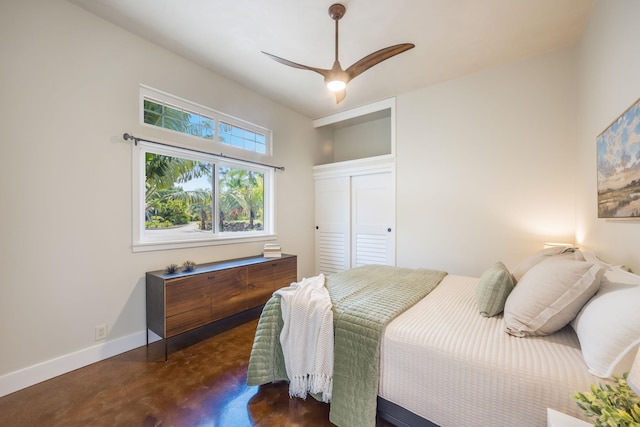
(340, 95)
(320, 71)
(376, 58)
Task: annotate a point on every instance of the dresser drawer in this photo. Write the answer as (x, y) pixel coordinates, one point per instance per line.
(188, 320)
(228, 292)
(187, 294)
(286, 272)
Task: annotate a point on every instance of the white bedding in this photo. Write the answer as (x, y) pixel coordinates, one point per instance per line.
(443, 361)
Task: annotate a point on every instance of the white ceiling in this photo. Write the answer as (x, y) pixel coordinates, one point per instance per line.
(452, 38)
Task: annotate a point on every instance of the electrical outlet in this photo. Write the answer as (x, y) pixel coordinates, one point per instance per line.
(101, 332)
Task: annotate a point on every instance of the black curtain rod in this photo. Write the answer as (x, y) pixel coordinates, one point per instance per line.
(128, 137)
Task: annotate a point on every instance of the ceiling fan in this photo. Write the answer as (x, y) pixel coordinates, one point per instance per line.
(336, 78)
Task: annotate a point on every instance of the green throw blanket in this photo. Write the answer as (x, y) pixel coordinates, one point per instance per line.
(365, 300)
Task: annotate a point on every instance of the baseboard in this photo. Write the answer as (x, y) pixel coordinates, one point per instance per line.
(31, 375)
(26, 377)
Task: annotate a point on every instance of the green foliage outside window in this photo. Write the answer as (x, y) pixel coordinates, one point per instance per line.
(241, 198)
(166, 203)
(169, 205)
(158, 113)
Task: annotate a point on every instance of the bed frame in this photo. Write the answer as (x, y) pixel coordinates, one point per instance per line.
(400, 416)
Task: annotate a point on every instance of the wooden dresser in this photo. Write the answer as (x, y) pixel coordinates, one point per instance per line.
(183, 301)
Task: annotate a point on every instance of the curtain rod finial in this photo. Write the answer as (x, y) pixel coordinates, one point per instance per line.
(128, 137)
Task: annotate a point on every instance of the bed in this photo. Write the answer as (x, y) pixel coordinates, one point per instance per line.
(442, 363)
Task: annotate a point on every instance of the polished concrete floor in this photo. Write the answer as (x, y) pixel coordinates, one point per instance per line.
(203, 383)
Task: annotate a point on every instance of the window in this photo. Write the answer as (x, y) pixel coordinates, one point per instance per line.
(178, 196)
(178, 115)
(241, 201)
(192, 199)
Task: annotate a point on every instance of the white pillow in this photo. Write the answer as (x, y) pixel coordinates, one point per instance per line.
(608, 326)
(542, 255)
(549, 296)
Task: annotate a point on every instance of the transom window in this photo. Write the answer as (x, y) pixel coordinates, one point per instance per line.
(243, 138)
(164, 115)
(179, 115)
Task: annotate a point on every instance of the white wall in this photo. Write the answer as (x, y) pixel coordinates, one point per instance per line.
(69, 88)
(368, 139)
(486, 164)
(609, 82)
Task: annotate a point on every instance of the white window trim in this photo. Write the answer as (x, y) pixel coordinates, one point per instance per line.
(147, 91)
(139, 244)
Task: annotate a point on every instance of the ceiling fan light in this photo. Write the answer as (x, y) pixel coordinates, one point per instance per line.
(336, 85)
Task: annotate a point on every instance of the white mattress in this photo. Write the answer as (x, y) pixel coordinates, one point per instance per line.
(443, 361)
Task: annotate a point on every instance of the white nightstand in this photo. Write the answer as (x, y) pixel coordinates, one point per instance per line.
(558, 419)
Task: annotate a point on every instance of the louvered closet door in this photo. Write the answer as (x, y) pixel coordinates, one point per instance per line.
(373, 219)
(332, 224)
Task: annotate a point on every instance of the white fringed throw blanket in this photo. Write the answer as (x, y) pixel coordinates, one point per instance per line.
(307, 337)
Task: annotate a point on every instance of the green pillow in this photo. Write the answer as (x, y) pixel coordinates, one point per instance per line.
(494, 286)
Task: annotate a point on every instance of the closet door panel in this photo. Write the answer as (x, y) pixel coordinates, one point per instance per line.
(373, 219)
(332, 224)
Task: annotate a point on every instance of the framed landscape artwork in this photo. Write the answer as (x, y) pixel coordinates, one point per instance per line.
(618, 150)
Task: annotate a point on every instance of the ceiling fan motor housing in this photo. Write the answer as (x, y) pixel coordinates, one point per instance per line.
(337, 11)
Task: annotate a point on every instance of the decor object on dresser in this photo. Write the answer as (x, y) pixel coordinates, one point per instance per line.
(618, 149)
(183, 301)
(272, 250)
(188, 266)
(171, 268)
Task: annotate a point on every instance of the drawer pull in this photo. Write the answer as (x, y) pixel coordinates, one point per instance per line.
(211, 277)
